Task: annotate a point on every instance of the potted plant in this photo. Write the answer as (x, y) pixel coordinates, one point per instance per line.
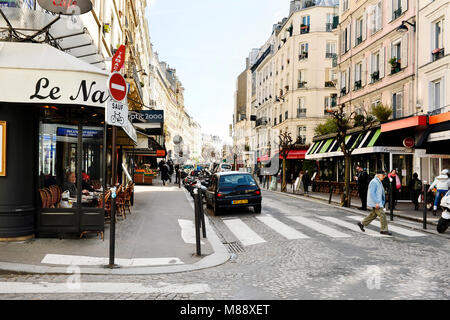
(395, 65)
(435, 51)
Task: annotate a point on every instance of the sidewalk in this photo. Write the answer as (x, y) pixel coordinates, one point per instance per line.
(403, 210)
(157, 237)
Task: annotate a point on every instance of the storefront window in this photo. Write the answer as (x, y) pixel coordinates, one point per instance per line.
(404, 166)
(445, 164)
(435, 171)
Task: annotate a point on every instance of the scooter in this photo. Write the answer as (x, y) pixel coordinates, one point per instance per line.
(444, 221)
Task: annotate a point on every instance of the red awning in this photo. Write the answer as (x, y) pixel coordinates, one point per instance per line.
(264, 158)
(295, 154)
(404, 123)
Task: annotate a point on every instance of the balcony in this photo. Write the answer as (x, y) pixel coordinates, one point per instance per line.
(329, 84)
(303, 55)
(358, 40)
(396, 13)
(375, 76)
(330, 55)
(358, 85)
(301, 84)
(396, 65)
(304, 28)
(334, 62)
(328, 27)
(343, 91)
(301, 113)
(437, 53)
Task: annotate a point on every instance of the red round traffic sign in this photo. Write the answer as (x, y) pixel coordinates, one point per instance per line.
(117, 86)
(409, 142)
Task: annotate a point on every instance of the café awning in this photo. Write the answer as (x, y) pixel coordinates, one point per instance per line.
(39, 73)
(363, 143)
(436, 138)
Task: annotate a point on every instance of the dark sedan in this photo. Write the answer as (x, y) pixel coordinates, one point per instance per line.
(233, 190)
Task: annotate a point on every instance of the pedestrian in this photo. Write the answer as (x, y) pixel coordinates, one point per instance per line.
(442, 184)
(165, 173)
(363, 180)
(300, 187)
(177, 173)
(376, 200)
(160, 165)
(306, 180)
(396, 185)
(258, 173)
(171, 169)
(415, 189)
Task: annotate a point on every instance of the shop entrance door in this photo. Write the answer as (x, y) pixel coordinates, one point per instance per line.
(403, 163)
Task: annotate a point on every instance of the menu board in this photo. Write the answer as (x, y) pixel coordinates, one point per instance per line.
(2, 148)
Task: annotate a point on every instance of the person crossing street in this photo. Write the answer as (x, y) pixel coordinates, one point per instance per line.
(376, 200)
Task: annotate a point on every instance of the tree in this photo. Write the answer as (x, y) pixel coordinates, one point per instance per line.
(381, 112)
(344, 123)
(286, 145)
(329, 126)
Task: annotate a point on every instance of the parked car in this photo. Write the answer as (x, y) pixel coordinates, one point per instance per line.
(233, 190)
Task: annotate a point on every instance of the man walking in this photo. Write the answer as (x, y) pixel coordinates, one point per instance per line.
(177, 172)
(376, 200)
(363, 183)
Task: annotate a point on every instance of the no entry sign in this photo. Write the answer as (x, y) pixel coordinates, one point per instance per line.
(117, 86)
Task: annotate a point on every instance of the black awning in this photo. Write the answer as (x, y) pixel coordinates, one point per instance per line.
(435, 128)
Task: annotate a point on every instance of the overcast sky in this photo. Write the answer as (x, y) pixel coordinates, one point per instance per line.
(207, 42)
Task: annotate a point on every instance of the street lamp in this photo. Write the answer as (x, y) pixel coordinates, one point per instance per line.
(403, 28)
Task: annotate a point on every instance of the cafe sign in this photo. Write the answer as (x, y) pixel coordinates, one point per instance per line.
(2, 148)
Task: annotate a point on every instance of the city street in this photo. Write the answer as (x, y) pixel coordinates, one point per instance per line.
(295, 249)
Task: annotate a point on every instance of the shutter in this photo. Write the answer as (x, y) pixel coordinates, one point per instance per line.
(389, 13)
(349, 37)
(399, 105)
(364, 26)
(342, 42)
(388, 55)
(363, 72)
(349, 79)
(370, 16)
(382, 62)
(353, 28)
(371, 62)
(405, 49)
(404, 5)
(327, 74)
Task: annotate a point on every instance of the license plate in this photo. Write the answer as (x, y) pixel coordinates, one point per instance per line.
(239, 201)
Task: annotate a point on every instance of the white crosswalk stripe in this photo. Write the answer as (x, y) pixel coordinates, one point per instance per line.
(402, 231)
(319, 227)
(351, 226)
(243, 232)
(283, 229)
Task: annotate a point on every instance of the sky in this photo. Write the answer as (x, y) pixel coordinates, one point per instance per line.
(207, 42)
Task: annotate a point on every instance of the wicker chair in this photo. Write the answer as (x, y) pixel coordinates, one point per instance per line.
(120, 201)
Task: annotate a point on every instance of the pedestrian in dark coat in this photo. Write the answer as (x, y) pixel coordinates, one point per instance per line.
(177, 169)
(363, 184)
(165, 173)
(306, 181)
(415, 189)
(171, 168)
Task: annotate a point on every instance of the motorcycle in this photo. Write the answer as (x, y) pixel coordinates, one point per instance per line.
(444, 221)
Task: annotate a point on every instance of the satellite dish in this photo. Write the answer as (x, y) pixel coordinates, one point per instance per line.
(68, 7)
(177, 139)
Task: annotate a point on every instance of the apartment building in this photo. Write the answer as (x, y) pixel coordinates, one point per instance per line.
(377, 60)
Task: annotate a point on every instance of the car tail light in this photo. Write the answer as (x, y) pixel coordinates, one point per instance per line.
(257, 192)
(219, 195)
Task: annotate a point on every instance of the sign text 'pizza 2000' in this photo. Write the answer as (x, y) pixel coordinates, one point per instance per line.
(86, 92)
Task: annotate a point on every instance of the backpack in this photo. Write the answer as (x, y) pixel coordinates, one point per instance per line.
(417, 185)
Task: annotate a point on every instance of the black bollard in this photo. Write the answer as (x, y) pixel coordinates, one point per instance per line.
(197, 222)
(425, 201)
(201, 212)
(391, 201)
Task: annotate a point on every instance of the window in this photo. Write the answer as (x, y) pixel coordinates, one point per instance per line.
(345, 40)
(358, 74)
(344, 5)
(301, 110)
(343, 83)
(375, 103)
(375, 65)
(437, 39)
(330, 51)
(301, 79)
(398, 8)
(304, 48)
(301, 134)
(329, 23)
(376, 13)
(286, 115)
(359, 31)
(396, 57)
(397, 105)
(436, 95)
(304, 27)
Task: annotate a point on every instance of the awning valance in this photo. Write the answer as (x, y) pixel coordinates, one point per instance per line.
(40, 73)
(435, 133)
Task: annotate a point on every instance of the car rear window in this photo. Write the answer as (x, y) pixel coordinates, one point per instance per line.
(232, 181)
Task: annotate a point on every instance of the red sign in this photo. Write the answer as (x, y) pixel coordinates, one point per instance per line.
(117, 86)
(119, 59)
(409, 142)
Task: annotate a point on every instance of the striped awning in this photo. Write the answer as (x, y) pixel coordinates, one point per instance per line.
(362, 142)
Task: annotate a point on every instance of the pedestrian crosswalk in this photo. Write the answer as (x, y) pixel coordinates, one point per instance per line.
(303, 228)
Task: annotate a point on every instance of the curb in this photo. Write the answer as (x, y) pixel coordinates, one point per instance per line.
(358, 212)
(219, 257)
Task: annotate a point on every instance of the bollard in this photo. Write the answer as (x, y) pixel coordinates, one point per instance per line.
(197, 222)
(391, 201)
(179, 178)
(425, 201)
(202, 212)
(331, 193)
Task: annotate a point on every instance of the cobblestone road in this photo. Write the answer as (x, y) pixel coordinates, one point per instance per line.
(320, 267)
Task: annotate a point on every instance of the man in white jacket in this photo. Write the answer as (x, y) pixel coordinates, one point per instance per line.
(442, 184)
